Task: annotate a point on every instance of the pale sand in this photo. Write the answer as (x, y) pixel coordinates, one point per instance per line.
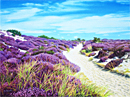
(120, 85)
(15, 37)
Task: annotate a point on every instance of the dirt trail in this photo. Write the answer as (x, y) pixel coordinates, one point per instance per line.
(120, 85)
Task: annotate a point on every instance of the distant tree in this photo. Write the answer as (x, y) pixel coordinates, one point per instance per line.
(44, 36)
(83, 39)
(78, 39)
(96, 40)
(14, 32)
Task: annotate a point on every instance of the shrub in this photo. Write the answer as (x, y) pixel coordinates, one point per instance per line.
(14, 32)
(112, 64)
(44, 36)
(50, 52)
(1, 49)
(96, 40)
(83, 51)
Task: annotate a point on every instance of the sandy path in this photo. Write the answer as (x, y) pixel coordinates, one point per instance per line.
(120, 85)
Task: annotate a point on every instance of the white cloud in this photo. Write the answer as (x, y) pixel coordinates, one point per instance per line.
(105, 35)
(99, 24)
(36, 23)
(127, 33)
(21, 14)
(68, 34)
(76, 1)
(75, 37)
(32, 4)
(38, 31)
(4, 12)
(123, 1)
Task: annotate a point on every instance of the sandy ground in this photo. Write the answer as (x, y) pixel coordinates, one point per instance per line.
(120, 85)
(16, 37)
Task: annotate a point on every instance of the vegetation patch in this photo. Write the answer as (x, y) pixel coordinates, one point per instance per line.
(14, 32)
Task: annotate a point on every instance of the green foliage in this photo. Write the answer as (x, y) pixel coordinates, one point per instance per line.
(83, 51)
(52, 42)
(58, 80)
(41, 48)
(38, 52)
(45, 42)
(96, 40)
(14, 32)
(91, 58)
(89, 50)
(53, 38)
(83, 39)
(78, 39)
(68, 49)
(1, 49)
(44, 36)
(50, 52)
(34, 50)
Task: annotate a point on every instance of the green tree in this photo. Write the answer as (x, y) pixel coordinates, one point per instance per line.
(14, 32)
(44, 36)
(78, 39)
(96, 40)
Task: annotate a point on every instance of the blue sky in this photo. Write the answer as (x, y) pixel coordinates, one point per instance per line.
(68, 19)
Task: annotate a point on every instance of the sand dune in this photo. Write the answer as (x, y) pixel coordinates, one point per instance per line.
(120, 85)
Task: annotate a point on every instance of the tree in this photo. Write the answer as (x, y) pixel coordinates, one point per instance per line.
(83, 39)
(96, 39)
(14, 32)
(78, 39)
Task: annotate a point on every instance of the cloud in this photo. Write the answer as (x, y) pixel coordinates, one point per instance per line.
(21, 14)
(35, 4)
(127, 33)
(38, 31)
(3, 12)
(119, 1)
(37, 23)
(70, 16)
(99, 24)
(75, 37)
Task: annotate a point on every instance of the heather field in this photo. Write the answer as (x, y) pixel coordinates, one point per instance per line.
(113, 55)
(64, 48)
(48, 67)
(36, 67)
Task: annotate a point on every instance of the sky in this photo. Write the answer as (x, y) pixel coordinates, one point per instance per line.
(67, 19)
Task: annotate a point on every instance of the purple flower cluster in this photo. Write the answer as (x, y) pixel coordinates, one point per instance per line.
(33, 92)
(38, 49)
(35, 47)
(108, 48)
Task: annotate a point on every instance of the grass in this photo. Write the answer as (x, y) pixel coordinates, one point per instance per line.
(68, 49)
(61, 79)
(91, 58)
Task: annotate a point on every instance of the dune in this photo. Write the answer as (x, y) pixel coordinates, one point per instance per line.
(119, 85)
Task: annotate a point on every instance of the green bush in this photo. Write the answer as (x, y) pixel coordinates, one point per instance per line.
(83, 51)
(50, 52)
(96, 40)
(41, 48)
(14, 32)
(1, 49)
(44, 36)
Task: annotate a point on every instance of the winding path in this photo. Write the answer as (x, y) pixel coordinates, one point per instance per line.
(120, 85)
